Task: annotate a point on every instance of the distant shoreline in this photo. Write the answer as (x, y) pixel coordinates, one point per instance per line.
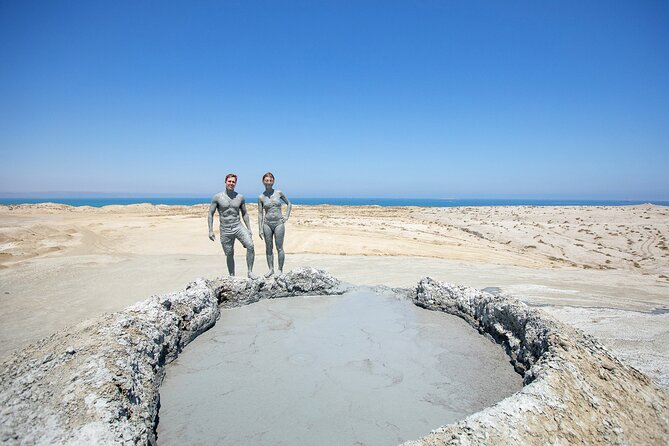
(385, 202)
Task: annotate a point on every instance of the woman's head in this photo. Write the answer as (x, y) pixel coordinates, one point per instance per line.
(268, 179)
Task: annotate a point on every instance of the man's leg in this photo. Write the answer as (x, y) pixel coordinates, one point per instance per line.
(269, 248)
(244, 237)
(250, 258)
(228, 244)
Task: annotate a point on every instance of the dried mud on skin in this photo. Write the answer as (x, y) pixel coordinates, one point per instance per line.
(98, 382)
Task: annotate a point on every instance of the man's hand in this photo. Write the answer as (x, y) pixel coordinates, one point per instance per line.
(212, 237)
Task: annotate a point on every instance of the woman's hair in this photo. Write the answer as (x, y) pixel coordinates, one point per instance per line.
(268, 174)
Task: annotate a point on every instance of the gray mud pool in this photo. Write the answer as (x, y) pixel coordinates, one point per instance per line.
(361, 368)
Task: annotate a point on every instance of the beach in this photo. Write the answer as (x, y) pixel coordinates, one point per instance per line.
(602, 269)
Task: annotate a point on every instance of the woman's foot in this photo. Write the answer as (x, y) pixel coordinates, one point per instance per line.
(270, 273)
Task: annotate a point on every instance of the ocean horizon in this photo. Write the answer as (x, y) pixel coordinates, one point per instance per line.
(310, 201)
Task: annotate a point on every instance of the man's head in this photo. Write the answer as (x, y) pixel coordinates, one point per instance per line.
(230, 181)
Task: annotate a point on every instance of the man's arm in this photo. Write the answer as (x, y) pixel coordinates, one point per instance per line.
(260, 218)
(290, 206)
(210, 218)
(245, 215)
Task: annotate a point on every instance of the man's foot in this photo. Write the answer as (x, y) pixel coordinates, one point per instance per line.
(250, 275)
(270, 273)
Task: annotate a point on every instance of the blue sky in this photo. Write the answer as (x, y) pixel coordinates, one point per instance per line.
(418, 98)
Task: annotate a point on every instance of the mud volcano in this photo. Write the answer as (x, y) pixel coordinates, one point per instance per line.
(99, 382)
(367, 367)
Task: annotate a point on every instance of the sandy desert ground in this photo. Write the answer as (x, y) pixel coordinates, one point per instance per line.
(602, 269)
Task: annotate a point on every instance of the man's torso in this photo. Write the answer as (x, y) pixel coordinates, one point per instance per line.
(228, 209)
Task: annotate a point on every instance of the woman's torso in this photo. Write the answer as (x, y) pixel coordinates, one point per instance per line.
(272, 206)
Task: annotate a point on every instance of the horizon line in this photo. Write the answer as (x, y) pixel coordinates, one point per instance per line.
(138, 195)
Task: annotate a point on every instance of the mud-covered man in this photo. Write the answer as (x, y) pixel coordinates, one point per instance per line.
(229, 205)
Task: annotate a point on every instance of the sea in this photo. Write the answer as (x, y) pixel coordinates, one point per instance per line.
(423, 202)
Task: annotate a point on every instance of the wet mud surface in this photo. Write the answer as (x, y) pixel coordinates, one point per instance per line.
(360, 368)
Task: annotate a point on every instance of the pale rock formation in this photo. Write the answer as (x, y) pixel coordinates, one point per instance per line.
(98, 383)
(235, 292)
(575, 391)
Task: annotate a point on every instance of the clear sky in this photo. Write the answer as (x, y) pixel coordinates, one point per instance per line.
(415, 98)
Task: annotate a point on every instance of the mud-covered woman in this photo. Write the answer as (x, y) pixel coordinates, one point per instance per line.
(271, 221)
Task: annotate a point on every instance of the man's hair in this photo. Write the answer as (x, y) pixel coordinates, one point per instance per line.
(268, 174)
(230, 175)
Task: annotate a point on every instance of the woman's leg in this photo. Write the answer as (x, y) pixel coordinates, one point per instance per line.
(267, 233)
(279, 233)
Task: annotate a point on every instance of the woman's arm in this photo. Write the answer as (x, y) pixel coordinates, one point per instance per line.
(290, 206)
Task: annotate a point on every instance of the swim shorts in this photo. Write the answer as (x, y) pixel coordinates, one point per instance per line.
(230, 233)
